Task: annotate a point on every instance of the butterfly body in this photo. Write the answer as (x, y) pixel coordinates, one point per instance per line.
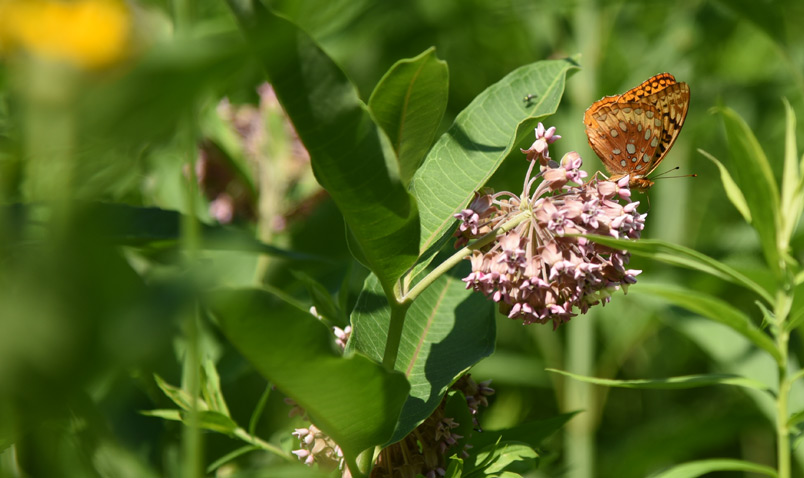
(631, 133)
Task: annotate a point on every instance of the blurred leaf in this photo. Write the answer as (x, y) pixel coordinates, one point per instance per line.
(792, 181)
(408, 103)
(684, 257)
(483, 134)
(322, 300)
(795, 318)
(700, 468)
(672, 383)
(754, 176)
(732, 190)
(214, 421)
(146, 103)
(322, 18)
(447, 330)
(795, 418)
(353, 400)
(532, 433)
(212, 388)
(351, 156)
(179, 396)
(208, 419)
(713, 309)
(764, 14)
(166, 414)
(138, 226)
(230, 456)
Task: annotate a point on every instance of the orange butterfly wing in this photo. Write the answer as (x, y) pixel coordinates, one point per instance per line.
(632, 132)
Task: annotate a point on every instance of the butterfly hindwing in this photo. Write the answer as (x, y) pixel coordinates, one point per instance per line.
(626, 138)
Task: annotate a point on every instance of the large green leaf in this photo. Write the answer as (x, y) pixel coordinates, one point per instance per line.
(753, 174)
(703, 467)
(408, 104)
(447, 330)
(684, 257)
(351, 156)
(482, 136)
(714, 309)
(353, 400)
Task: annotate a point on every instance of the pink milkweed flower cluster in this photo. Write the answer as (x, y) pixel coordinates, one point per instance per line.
(541, 270)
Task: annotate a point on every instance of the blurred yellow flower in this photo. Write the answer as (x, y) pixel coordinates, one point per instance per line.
(88, 33)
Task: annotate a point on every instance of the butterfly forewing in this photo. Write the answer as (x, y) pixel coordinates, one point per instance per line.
(632, 132)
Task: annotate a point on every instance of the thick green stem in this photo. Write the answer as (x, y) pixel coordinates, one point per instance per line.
(398, 312)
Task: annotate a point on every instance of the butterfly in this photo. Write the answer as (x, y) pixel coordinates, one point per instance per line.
(632, 132)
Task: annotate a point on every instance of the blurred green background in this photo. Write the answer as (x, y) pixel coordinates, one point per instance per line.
(90, 309)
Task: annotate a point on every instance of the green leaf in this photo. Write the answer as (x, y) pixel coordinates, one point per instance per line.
(446, 325)
(351, 156)
(352, 399)
(482, 136)
(455, 407)
(230, 456)
(166, 414)
(700, 468)
(408, 103)
(322, 299)
(455, 467)
(684, 257)
(212, 388)
(532, 433)
(147, 102)
(495, 458)
(792, 192)
(732, 190)
(754, 176)
(795, 418)
(713, 309)
(209, 420)
(179, 396)
(672, 383)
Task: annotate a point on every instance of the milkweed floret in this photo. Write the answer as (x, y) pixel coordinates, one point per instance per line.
(542, 270)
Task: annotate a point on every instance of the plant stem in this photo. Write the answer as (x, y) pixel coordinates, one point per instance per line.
(782, 431)
(398, 312)
(781, 311)
(399, 307)
(579, 437)
(258, 442)
(453, 260)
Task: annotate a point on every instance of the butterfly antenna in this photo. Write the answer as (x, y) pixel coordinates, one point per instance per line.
(662, 175)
